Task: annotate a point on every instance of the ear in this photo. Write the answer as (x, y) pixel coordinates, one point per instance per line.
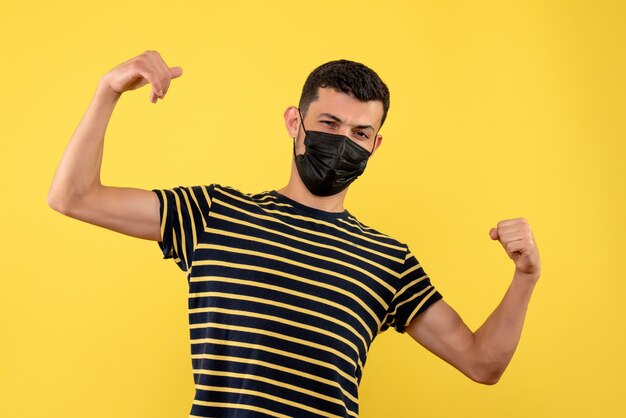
(292, 121)
(379, 140)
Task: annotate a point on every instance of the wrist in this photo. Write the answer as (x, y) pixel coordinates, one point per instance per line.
(105, 90)
(529, 278)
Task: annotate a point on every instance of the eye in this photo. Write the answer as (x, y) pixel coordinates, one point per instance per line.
(329, 123)
(361, 134)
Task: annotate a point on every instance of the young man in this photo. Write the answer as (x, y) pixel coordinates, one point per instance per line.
(287, 289)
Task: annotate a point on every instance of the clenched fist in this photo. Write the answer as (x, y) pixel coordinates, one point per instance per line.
(146, 68)
(518, 241)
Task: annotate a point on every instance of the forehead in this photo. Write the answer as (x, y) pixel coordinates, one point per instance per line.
(346, 108)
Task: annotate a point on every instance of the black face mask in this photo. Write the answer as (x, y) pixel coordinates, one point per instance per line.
(330, 163)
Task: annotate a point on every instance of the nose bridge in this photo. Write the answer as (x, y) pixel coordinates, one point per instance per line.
(347, 126)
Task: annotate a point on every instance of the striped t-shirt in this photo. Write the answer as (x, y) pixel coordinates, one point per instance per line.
(284, 300)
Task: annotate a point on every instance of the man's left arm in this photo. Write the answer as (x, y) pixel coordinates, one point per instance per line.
(483, 355)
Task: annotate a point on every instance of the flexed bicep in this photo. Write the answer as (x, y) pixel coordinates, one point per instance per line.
(441, 331)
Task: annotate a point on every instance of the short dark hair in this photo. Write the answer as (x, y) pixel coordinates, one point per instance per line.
(353, 78)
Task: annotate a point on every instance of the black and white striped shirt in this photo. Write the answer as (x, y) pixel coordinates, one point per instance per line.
(284, 300)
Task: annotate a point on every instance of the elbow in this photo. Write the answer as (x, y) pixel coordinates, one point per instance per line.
(56, 203)
(59, 202)
(488, 379)
(486, 375)
(68, 196)
(488, 366)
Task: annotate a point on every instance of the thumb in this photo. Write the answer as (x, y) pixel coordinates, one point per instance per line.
(493, 233)
(175, 72)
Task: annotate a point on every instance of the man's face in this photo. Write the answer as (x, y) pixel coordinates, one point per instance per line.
(339, 113)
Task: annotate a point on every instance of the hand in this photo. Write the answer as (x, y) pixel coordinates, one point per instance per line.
(146, 68)
(518, 241)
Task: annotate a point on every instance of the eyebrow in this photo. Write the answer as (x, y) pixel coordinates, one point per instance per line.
(338, 120)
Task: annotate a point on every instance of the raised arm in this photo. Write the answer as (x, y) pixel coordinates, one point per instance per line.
(76, 190)
(484, 355)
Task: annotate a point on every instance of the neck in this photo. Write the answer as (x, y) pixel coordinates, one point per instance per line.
(296, 190)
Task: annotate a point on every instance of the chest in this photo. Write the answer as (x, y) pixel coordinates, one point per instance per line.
(303, 272)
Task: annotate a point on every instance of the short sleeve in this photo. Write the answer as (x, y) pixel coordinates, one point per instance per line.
(183, 214)
(414, 295)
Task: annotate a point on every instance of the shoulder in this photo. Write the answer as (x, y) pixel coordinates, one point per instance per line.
(219, 190)
(355, 225)
(230, 197)
(203, 195)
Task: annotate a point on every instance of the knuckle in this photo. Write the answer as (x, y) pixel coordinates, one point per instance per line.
(148, 54)
(140, 60)
(136, 66)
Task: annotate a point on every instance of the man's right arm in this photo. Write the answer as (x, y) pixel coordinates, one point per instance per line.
(76, 190)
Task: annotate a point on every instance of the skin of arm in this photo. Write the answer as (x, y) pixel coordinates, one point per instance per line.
(76, 190)
(484, 355)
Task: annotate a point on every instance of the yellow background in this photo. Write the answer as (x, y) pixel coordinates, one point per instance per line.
(498, 110)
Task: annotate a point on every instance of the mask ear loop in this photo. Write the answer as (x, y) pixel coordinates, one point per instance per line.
(294, 140)
(301, 121)
(303, 128)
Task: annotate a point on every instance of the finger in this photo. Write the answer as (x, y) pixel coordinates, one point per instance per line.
(155, 72)
(175, 72)
(493, 233)
(511, 222)
(155, 81)
(166, 86)
(161, 72)
(513, 236)
(164, 71)
(510, 229)
(164, 74)
(153, 96)
(165, 81)
(172, 73)
(514, 247)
